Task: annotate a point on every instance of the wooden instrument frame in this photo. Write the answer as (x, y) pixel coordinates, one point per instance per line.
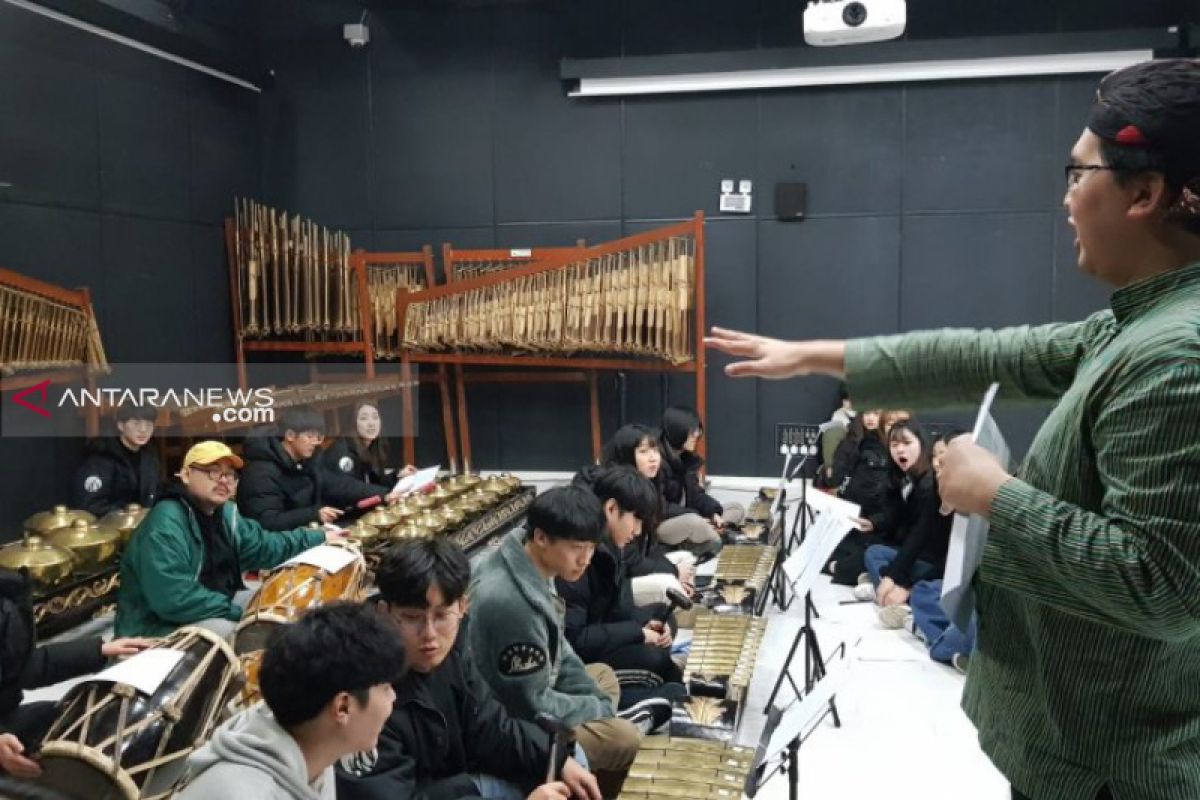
(546, 260)
(81, 299)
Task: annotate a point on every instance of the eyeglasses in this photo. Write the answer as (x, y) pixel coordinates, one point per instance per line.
(219, 476)
(442, 620)
(1074, 172)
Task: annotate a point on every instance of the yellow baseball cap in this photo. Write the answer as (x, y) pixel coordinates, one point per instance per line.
(210, 452)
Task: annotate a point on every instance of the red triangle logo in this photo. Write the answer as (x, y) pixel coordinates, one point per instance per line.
(19, 398)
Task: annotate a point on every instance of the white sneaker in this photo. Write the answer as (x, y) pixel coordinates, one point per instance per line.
(894, 617)
(864, 577)
(864, 592)
(960, 661)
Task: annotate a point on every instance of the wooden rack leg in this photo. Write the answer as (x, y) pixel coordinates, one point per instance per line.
(464, 426)
(448, 418)
(594, 402)
(406, 400)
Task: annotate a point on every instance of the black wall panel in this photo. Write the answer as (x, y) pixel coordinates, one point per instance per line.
(976, 270)
(984, 145)
(845, 143)
(677, 150)
(49, 140)
(145, 144)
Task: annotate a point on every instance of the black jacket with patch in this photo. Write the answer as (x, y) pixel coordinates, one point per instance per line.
(445, 726)
(24, 666)
(342, 458)
(106, 479)
(281, 494)
(679, 477)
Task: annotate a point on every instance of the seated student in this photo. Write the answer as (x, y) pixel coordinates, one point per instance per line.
(861, 473)
(25, 665)
(364, 454)
(922, 531)
(118, 470)
(326, 684)
(517, 640)
(651, 567)
(285, 487)
(926, 620)
(603, 625)
(839, 423)
(679, 477)
(184, 564)
(448, 737)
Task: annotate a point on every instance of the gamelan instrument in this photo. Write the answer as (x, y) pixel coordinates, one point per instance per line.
(292, 589)
(741, 576)
(112, 741)
(671, 768)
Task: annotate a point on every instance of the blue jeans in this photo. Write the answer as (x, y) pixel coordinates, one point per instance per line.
(942, 638)
(493, 788)
(879, 556)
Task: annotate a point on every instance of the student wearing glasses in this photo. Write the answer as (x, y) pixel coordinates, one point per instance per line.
(1086, 680)
(286, 487)
(184, 564)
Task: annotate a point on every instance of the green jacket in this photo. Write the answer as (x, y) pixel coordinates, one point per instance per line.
(160, 570)
(517, 642)
(1087, 671)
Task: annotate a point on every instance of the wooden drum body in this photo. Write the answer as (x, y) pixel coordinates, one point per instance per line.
(114, 742)
(288, 592)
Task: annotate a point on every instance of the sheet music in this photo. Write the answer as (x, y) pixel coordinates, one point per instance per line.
(330, 559)
(417, 481)
(833, 522)
(968, 534)
(145, 671)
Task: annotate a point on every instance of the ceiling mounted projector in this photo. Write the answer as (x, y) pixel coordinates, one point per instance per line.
(834, 22)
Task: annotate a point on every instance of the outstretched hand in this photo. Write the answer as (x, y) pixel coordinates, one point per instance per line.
(765, 357)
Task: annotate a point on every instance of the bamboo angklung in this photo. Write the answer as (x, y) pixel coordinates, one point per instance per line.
(634, 301)
(38, 332)
(294, 277)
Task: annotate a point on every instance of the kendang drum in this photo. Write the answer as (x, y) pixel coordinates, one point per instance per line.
(296, 587)
(112, 741)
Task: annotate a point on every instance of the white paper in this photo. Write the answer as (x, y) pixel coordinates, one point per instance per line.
(968, 534)
(417, 481)
(822, 537)
(801, 716)
(145, 671)
(323, 556)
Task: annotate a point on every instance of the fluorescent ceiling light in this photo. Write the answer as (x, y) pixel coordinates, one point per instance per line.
(906, 71)
(104, 33)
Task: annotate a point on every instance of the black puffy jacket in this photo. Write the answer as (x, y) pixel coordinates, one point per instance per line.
(679, 478)
(922, 531)
(341, 457)
(644, 556)
(107, 480)
(281, 494)
(24, 666)
(600, 613)
(863, 475)
(445, 726)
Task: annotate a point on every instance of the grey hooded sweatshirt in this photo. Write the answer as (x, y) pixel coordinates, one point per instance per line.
(252, 756)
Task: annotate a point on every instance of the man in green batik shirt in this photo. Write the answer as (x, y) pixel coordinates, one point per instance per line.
(1086, 681)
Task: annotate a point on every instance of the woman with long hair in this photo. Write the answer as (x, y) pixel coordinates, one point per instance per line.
(694, 518)
(365, 454)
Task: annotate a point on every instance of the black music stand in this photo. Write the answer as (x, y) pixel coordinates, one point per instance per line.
(790, 762)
